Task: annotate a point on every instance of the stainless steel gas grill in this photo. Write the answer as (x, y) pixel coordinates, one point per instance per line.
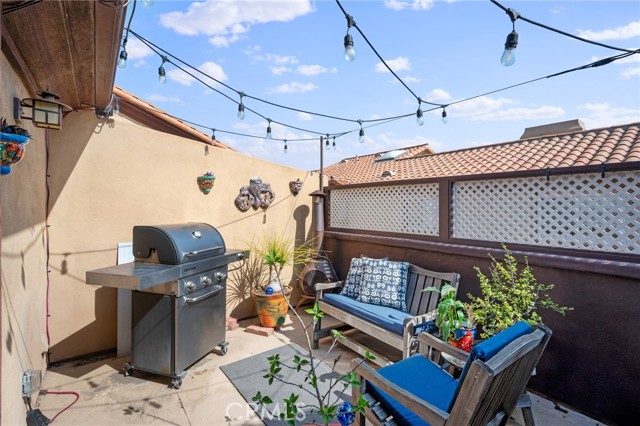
(178, 303)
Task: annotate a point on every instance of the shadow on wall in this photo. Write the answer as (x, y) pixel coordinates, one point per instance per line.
(105, 331)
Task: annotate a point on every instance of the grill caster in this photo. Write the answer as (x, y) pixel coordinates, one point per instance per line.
(176, 383)
(128, 370)
(224, 348)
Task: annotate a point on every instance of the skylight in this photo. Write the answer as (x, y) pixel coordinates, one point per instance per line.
(390, 155)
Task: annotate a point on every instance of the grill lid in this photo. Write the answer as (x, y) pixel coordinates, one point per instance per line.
(176, 244)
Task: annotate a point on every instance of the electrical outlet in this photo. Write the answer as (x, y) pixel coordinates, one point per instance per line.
(31, 382)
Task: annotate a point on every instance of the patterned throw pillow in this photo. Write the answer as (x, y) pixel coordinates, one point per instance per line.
(384, 283)
(351, 287)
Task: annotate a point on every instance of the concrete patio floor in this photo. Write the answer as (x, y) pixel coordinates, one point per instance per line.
(206, 396)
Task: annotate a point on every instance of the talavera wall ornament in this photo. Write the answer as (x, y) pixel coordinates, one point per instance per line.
(206, 182)
(12, 141)
(256, 194)
(295, 186)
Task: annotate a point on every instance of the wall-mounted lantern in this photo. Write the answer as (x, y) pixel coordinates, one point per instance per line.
(45, 112)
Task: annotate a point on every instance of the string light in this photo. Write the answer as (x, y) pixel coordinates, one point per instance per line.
(213, 135)
(241, 107)
(116, 106)
(269, 129)
(419, 115)
(162, 77)
(334, 143)
(509, 56)
(285, 146)
(327, 142)
(147, 3)
(349, 50)
(361, 137)
(444, 116)
(122, 62)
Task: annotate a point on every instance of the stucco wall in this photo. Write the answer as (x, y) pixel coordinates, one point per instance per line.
(107, 176)
(22, 259)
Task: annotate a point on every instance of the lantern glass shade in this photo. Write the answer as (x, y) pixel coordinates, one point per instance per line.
(45, 112)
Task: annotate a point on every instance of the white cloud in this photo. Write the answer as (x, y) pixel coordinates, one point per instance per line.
(280, 70)
(630, 73)
(543, 112)
(478, 107)
(409, 79)
(163, 98)
(293, 87)
(604, 114)
(618, 33)
(557, 10)
(209, 68)
(137, 49)
(414, 4)
(438, 95)
(226, 20)
(314, 69)
(304, 116)
(400, 63)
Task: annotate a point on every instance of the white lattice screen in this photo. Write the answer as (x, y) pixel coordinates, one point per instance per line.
(571, 211)
(406, 209)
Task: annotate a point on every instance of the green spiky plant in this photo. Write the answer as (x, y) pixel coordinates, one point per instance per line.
(510, 294)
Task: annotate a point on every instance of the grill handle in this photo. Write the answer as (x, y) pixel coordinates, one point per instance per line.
(215, 290)
(199, 252)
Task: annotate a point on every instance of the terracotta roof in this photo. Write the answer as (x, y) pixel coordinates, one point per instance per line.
(618, 144)
(149, 115)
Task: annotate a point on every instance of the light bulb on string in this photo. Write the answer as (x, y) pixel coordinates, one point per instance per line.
(444, 116)
(326, 143)
(116, 106)
(162, 75)
(509, 55)
(269, 129)
(148, 3)
(334, 143)
(241, 107)
(361, 136)
(213, 135)
(285, 146)
(419, 117)
(122, 62)
(349, 50)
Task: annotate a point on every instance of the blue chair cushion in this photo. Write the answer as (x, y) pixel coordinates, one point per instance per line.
(384, 283)
(420, 377)
(486, 349)
(388, 318)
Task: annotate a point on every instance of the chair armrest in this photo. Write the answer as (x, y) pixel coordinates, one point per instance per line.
(428, 342)
(419, 319)
(428, 412)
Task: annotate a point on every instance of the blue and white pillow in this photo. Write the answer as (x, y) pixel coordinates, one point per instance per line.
(351, 287)
(384, 283)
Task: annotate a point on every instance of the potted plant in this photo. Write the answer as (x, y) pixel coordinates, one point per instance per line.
(271, 297)
(454, 325)
(510, 294)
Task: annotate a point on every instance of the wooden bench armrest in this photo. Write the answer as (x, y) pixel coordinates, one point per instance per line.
(328, 286)
(419, 319)
(428, 342)
(428, 412)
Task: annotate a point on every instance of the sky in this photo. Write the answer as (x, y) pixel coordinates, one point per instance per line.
(291, 53)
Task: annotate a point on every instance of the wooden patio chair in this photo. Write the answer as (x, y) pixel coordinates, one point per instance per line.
(417, 391)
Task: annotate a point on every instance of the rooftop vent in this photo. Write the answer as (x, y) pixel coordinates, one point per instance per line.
(390, 155)
(553, 129)
(387, 173)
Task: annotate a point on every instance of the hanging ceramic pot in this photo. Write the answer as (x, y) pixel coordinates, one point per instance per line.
(206, 182)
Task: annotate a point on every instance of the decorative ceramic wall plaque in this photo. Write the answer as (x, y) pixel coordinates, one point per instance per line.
(12, 140)
(256, 194)
(295, 186)
(206, 182)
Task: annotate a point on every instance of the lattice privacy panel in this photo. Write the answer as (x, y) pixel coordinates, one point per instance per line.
(406, 209)
(584, 212)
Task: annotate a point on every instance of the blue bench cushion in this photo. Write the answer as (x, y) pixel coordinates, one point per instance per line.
(420, 377)
(384, 283)
(388, 318)
(486, 349)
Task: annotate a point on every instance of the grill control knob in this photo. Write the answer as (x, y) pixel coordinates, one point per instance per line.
(206, 280)
(220, 276)
(190, 285)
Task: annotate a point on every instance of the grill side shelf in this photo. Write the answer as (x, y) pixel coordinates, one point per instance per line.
(134, 275)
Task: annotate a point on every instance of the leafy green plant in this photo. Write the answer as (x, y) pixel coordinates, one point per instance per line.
(451, 312)
(327, 407)
(510, 294)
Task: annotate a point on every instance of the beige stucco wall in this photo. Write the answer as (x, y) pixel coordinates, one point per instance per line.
(107, 176)
(23, 270)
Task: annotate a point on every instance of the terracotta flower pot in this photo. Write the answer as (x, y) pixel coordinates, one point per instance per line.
(464, 339)
(272, 308)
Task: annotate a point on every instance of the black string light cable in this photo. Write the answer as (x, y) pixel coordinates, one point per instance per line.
(353, 24)
(546, 27)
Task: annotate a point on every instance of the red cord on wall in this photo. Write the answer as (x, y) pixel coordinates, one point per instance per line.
(77, 395)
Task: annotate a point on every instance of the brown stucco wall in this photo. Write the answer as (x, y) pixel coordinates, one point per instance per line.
(592, 353)
(22, 258)
(107, 176)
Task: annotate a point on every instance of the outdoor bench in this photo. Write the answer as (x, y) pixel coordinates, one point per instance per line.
(375, 309)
